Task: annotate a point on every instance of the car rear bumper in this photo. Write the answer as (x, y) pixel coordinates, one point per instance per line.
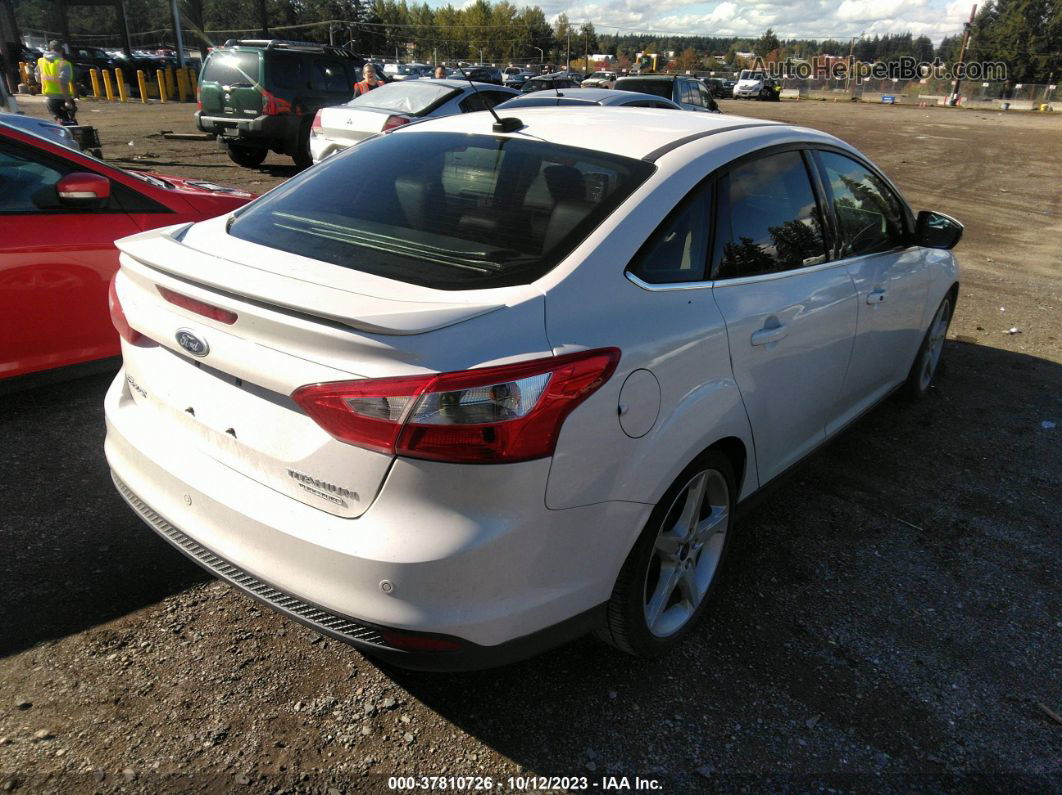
(444, 551)
(261, 129)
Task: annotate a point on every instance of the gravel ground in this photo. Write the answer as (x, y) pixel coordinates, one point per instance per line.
(890, 618)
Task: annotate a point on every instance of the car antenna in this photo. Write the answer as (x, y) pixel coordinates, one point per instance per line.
(506, 125)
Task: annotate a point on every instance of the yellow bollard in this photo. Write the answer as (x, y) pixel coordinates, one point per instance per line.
(161, 73)
(107, 85)
(142, 82)
(123, 95)
(193, 83)
(182, 85)
(94, 76)
(171, 83)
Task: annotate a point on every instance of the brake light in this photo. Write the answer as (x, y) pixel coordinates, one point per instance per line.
(118, 319)
(274, 106)
(492, 415)
(199, 307)
(316, 127)
(395, 121)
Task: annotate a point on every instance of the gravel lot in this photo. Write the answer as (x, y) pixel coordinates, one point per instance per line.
(890, 618)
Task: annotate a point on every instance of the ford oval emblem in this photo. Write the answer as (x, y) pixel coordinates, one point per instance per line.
(191, 342)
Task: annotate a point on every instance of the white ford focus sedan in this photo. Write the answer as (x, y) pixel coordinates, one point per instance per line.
(464, 391)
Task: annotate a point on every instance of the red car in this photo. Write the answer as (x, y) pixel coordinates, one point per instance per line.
(60, 213)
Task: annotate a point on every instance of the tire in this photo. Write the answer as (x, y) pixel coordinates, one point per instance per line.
(671, 572)
(246, 156)
(302, 157)
(927, 361)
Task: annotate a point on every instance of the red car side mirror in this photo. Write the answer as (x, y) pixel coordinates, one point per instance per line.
(83, 191)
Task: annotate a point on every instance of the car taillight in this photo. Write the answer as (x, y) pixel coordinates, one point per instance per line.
(118, 320)
(273, 105)
(316, 128)
(199, 307)
(492, 415)
(394, 121)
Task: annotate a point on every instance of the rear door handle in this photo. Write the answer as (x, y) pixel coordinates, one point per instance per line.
(875, 296)
(766, 335)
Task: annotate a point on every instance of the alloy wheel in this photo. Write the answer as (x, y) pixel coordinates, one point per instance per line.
(686, 553)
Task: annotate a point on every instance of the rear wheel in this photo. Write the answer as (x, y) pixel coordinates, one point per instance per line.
(671, 571)
(927, 362)
(303, 157)
(246, 156)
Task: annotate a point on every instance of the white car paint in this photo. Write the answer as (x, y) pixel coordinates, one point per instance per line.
(490, 553)
(342, 126)
(749, 85)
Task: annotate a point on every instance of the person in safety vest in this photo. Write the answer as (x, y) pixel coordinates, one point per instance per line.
(56, 76)
(369, 83)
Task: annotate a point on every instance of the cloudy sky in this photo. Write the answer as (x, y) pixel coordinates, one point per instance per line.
(809, 19)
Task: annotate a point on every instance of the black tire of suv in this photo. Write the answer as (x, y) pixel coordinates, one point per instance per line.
(302, 157)
(247, 157)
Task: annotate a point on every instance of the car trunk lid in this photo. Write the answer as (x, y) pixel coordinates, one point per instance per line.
(224, 379)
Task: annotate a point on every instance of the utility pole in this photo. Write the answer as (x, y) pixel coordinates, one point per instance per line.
(851, 62)
(263, 18)
(568, 51)
(586, 47)
(966, 32)
(10, 41)
(176, 11)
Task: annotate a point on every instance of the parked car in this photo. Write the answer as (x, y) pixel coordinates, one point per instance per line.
(458, 395)
(258, 96)
(549, 82)
(85, 59)
(518, 79)
(56, 133)
(404, 71)
(582, 97)
(718, 87)
(689, 92)
(388, 107)
(757, 84)
(480, 74)
(63, 211)
(600, 80)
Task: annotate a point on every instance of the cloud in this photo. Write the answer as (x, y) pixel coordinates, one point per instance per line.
(817, 19)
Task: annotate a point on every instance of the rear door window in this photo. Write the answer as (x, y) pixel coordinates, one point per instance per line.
(287, 72)
(868, 213)
(331, 76)
(444, 210)
(767, 218)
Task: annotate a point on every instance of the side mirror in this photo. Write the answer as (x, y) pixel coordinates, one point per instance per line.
(83, 191)
(936, 230)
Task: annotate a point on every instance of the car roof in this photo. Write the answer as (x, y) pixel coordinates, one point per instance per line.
(445, 81)
(660, 78)
(643, 130)
(602, 96)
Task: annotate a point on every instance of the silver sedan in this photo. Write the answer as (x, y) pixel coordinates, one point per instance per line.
(395, 105)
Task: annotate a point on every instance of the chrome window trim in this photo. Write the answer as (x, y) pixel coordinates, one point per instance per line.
(737, 281)
(668, 286)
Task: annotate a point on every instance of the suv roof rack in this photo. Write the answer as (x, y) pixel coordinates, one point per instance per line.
(289, 44)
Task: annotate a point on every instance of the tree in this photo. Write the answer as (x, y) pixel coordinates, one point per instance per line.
(766, 43)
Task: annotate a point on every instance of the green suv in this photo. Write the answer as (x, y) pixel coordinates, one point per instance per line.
(257, 96)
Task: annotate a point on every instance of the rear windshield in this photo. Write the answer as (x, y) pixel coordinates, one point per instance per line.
(444, 210)
(658, 88)
(412, 97)
(546, 100)
(232, 68)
